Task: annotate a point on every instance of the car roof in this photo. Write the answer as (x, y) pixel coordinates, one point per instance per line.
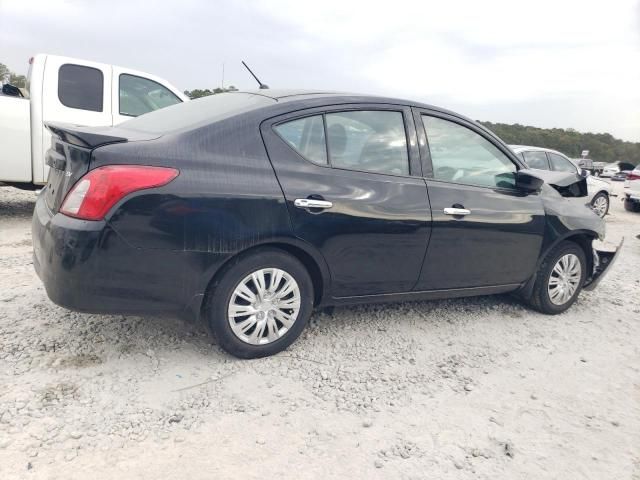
(293, 95)
(266, 103)
(523, 148)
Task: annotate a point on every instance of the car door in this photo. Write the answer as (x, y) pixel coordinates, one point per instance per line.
(352, 182)
(485, 232)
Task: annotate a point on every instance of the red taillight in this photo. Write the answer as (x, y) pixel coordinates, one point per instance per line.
(634, 175)
(100, 189)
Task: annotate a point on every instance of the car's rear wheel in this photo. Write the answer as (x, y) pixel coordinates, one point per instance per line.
(600, 204)
(631, 206)
(261, 304)
(559, 279)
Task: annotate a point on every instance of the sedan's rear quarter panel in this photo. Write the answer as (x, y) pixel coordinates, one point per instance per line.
(225, 200)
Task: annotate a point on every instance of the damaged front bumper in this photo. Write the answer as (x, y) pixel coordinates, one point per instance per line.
(602, 261)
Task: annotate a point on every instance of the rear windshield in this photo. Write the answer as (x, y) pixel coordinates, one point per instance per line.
(195, 113)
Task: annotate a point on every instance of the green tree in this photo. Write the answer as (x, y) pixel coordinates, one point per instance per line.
(18, 80)
(603, 147)
(197, 93)
(13, 78)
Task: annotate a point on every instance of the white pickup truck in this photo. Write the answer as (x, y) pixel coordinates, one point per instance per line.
(61, 89)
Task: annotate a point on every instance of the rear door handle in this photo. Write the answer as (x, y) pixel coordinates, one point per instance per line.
(311, 203)
(456, 211)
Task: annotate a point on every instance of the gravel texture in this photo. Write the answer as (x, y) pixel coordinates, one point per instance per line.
(477, 388)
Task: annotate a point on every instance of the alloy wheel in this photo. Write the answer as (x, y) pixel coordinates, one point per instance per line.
(264, 306)
(600, 205)
(564, 279)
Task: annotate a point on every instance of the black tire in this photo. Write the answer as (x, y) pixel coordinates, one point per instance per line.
(540, 299)
(606, 197)
(223, 288)
(631, 206)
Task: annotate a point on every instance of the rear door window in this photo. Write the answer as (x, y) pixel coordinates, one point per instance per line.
(306, 136)
(140, 95)
(536, 159)
(368, 140)
(81, 87)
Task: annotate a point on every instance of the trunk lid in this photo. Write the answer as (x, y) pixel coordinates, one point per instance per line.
(69, 157)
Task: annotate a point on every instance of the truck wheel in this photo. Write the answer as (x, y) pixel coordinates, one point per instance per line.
(600, 204)
(261, 304)
(559, 279)
(631, 206)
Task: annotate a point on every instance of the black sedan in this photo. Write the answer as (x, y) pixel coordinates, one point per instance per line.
(249, 210)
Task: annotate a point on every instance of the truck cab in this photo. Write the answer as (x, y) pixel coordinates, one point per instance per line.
(69, 90)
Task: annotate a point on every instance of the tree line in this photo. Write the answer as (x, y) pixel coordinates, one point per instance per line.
(197, 93)
(602, 147)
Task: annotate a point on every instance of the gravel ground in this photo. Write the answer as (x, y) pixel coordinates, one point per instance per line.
(472, 388)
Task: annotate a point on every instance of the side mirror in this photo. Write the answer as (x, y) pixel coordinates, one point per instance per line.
(584, 173)
(528, 181)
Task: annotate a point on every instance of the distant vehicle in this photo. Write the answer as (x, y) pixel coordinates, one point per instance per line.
(621, 176)
(610, 170)
(595, 168)
(248, 210)
(547, 159)
(632, 191)
(598, 167)
(69, 90)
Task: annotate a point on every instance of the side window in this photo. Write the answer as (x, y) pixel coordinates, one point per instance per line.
(460, 155)
(140, 95)
(80, 87)
(369, 140)
(561, 164)
(306, 136)
(536, 159)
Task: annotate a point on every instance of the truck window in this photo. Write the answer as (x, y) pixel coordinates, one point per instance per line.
(140, 95)
(80, 87)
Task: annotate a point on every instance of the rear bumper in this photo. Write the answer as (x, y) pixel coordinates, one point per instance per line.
(86, 266)
(602, 262)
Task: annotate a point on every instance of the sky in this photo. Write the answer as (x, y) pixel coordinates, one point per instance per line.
(547, 63)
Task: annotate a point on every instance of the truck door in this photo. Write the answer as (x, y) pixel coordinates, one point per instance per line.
(77, 92)
(135, 93)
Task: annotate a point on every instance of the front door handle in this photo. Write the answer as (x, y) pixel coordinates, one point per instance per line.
(312, 203)
(456, 211)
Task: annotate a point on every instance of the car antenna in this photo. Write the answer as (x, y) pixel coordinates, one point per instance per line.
(263, 86)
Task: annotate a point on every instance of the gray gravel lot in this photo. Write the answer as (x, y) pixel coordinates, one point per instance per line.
(473, 388)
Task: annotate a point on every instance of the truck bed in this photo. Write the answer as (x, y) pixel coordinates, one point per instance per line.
(15, 139)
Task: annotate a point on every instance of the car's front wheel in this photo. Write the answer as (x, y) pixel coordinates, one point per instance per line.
(560, 279)
(600, 204)
(261, 304)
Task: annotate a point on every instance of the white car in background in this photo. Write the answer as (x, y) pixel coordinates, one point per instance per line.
(547, 159)
(632, 191)
(610, 170)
